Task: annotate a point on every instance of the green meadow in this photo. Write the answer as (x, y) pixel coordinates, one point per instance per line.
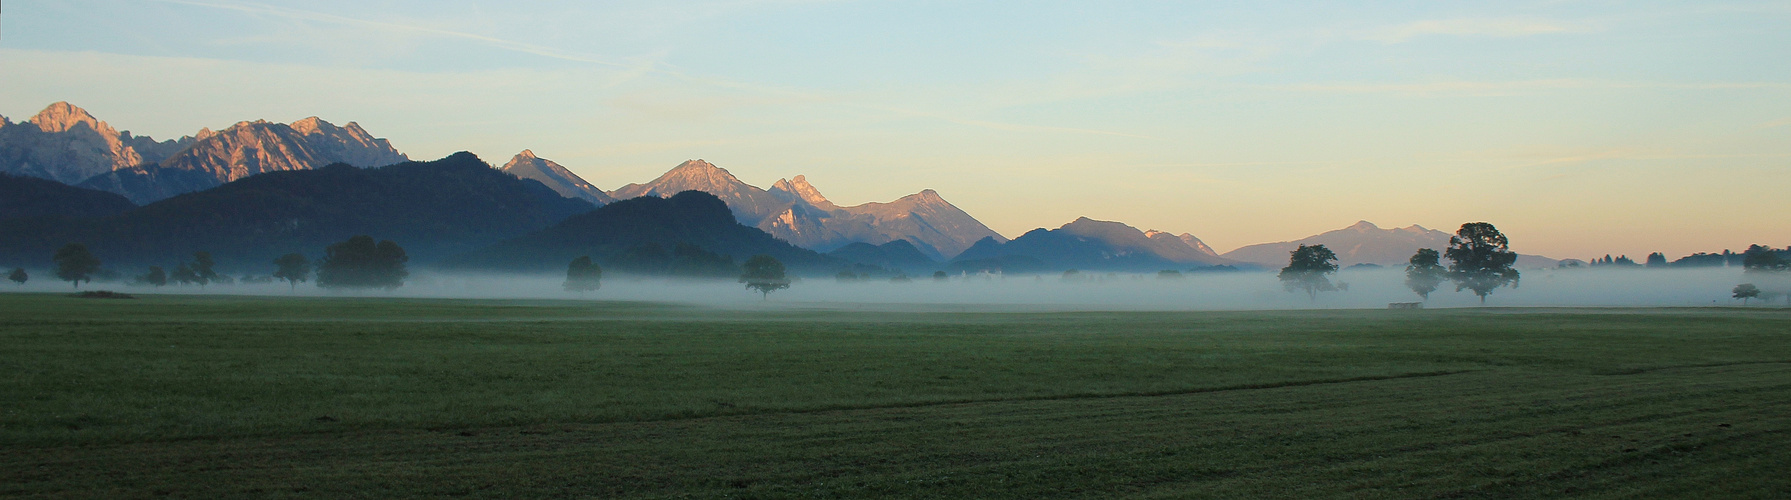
(221, 396)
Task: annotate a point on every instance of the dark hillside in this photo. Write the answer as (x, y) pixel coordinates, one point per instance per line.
(433, 209)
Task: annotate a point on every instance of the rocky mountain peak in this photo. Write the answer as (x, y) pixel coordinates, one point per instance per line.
(311, 125)
(799, 188)
(62, 116)
(526, 165)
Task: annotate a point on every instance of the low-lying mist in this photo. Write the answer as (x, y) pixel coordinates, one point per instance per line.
(1091, 291)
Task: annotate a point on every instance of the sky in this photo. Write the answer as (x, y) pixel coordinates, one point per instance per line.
(1579, 128)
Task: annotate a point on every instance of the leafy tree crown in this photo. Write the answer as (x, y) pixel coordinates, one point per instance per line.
(1481, 259)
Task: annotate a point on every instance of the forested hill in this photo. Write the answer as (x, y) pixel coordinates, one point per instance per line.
(22, 197)
(692, 233)
(433, 209)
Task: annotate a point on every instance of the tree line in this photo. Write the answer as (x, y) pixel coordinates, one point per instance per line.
(358, 262)
(1480, 259)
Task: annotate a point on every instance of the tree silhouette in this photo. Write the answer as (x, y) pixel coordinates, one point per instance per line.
(1761, 258)
(1657, 260)
(202, 269)
(75, 264)
(184, 274)
(765, 275)
(1307, 269)
(1480, 259)
(582, 275)
(294, 268)
(155, 276)
(360, 263)
(18, 275)
(1423, 273)
(940, 276)
(1746, 291)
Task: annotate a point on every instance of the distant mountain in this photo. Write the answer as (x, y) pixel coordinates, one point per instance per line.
(245, 149)
(748, 203)
(22, 197)
(795, 211)
(66, 144)
(526, 165)
(433, 209)
(1185, 238)
(648, 235)
(1363, 242)
(1088, 244)
(898, 255)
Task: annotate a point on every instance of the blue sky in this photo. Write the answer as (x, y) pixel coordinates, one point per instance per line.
(1578, 127)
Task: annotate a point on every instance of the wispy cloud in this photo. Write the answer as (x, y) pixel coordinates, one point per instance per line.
(1507, 87)
(1634, 155)
(632, 70)
(305, 15)
(1488, 27)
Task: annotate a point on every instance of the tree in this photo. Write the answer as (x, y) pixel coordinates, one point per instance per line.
(184, 274)
(19, 276)
(360, 263)
(75, 264)
(292, 267)
(1481, 259)
(1423, 273)
(764, 274)
(941, 276)
(155, 276)
(1760, 258)
(1657, 260)
(202, 269)
(1746, 291)
(1307, 269)
(582, 275)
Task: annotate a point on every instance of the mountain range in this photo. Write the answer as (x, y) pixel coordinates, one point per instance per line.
(1090, 244)
(1364, 243)
(252, 184)
(434, 209)
(795, 211)
(692, 233)
(67, 144)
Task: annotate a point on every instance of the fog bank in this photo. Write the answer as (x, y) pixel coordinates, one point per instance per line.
(1367, 289)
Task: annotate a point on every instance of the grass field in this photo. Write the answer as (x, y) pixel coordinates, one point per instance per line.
(198, 396)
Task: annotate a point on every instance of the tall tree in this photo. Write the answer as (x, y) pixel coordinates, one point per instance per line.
(155, 276)
(1481, 259)
(18, 275)
(582, 275)
(202, 268)
(1423, 273)
(1308, 268)
(764, 274)
(359, 262)
(75, 264)
(1761, 258)
(294, 268)
(184, 274)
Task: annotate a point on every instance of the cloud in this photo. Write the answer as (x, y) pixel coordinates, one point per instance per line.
(304, 15)
(1466, 87)
(1488, 27)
